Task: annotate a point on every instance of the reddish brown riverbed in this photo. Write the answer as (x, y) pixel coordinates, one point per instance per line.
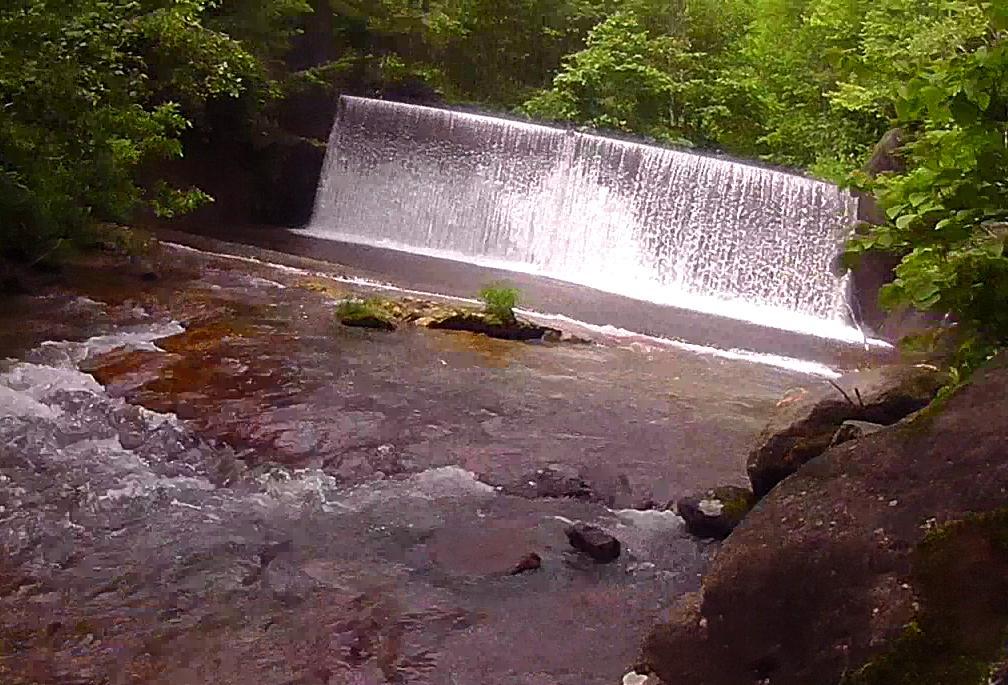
(203, 479)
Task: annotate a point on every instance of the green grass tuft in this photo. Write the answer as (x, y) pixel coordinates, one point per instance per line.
(499, 300)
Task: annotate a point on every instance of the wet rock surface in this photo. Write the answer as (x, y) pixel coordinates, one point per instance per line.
(716, 512)
(876, 562)
(555, 480)
(208, 465)
(806, 421)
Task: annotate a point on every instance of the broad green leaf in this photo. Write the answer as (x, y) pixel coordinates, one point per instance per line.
(904, 221)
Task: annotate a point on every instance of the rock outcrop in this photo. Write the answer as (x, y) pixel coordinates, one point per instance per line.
(803, 428)
(529, 562)
(883, 561)
(475, 321)
(386, 314)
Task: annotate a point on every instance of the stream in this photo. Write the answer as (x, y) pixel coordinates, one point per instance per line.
(204, 479)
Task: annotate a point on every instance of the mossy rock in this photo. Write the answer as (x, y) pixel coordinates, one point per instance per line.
(366, 314)
(323, 286)
(960, 574)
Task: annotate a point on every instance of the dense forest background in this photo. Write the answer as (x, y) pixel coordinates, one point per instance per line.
(96, 95)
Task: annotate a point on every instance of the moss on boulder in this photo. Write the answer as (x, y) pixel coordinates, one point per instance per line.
(960, 575)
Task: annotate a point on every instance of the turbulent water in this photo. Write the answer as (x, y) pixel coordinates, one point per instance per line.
(358, 525)
(649, 222)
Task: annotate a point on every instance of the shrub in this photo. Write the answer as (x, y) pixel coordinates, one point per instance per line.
(499, 300)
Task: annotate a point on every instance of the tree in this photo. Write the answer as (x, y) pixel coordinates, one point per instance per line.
(91, 90)
(658, 70)
(949, 212)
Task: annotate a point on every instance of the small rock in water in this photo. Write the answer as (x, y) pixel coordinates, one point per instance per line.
(716, 512)
(594, 542)
(530, 562)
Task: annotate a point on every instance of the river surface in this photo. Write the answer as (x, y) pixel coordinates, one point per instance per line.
(203, 479)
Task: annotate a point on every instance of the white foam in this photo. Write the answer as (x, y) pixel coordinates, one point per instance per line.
(19, 404)
(653, 520)
(145, 484)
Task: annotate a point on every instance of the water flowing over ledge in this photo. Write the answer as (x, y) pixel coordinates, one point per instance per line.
(656, 224)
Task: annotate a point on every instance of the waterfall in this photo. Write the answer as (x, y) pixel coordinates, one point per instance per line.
(648, 222)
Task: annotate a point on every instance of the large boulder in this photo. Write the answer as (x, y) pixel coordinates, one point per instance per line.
(854, 430)
(804, 426)
(884, 561)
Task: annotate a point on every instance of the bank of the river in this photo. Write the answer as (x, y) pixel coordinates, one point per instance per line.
(206, 479)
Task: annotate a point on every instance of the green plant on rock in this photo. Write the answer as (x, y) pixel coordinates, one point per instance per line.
(499, 300)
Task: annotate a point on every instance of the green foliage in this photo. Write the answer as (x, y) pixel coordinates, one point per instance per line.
(499, 300)
(94, 91)
(949, 213)
(91, 91)
(353, 309)
(666, 86)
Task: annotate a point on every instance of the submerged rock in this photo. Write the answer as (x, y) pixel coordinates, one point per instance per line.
(716, 512)
(876, 564)
(594, 542)
(552, 481)
(804, 426)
